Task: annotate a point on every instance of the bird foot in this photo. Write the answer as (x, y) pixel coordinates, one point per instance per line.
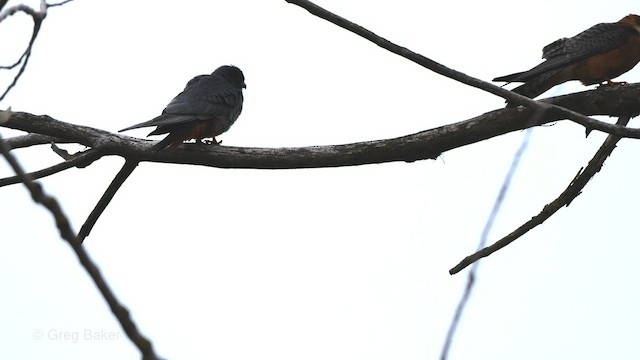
(212, 142)
(612, 83)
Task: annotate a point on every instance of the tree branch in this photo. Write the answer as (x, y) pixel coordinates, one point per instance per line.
(116, 183)
(566, 197)
(28, 140)
(75, 161)
(24, 58)
(67, 233)
(471, 277)
(60, 3)
(38, 17)
(423, 61)
(427, 144)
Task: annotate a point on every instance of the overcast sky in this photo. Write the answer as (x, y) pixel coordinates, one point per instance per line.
(347, 263)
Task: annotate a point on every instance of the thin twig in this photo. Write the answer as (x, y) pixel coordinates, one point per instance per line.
(9, 67)
(67, 233)
(60, 152)
(37, 22)
(76, 161)
(38, 17)
(438, 68)
(119, 179)
(36, 29)
(571, 192)
(506, 184)
(59, 4)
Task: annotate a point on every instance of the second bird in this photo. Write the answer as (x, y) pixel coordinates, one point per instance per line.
(595, 56)
(206, 108)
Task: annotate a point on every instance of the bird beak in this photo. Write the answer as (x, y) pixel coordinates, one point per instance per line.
(244, 86)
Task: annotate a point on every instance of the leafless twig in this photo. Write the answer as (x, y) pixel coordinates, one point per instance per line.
(116, 183)
(76, 161)
(571, 192)
(38, 17)
(60, 3)
(506, 184)
(67, 233)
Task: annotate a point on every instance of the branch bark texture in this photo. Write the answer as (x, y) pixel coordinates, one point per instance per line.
(428, 144)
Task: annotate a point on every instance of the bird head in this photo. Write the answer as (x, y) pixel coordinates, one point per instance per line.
(631, 21)
(233, 74)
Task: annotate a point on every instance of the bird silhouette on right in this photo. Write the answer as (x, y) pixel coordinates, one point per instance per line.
(594, 56)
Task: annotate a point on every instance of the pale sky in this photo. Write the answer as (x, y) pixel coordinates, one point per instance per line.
(346, 263)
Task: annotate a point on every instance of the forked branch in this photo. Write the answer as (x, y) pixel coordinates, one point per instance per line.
(564, 199)
(66, 232)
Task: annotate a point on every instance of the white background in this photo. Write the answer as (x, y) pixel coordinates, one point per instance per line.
(347, 263)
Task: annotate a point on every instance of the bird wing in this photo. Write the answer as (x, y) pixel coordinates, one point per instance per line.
(598, 39)
(204, 97)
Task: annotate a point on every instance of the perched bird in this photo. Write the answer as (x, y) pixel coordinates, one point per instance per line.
(206, 108)
(594, 56)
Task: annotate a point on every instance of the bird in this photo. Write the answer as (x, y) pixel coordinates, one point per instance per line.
(206, 108)
(594, 56)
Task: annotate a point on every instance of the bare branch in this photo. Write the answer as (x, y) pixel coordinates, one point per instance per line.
(67, 233)
(424, 145)
(506, 184)
(427, 144)
(28, 140)
(76, 161)
(571, 192)
(59, 4)
(21, 8)
(120, 178)
(37, 22)
(423, 61)
(38, 17)
(40, 197)
(9, 67)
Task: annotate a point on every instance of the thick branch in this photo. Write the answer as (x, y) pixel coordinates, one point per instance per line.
(571, 192)
(429, 144)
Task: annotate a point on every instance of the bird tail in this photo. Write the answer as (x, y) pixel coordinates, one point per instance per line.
(141, 125)
(510, 78)
(538, 85)
(136, 126)
(176, 137)
(173, 139)
(161, 144)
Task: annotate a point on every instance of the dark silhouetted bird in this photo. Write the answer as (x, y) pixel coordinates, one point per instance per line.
(206, 108)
